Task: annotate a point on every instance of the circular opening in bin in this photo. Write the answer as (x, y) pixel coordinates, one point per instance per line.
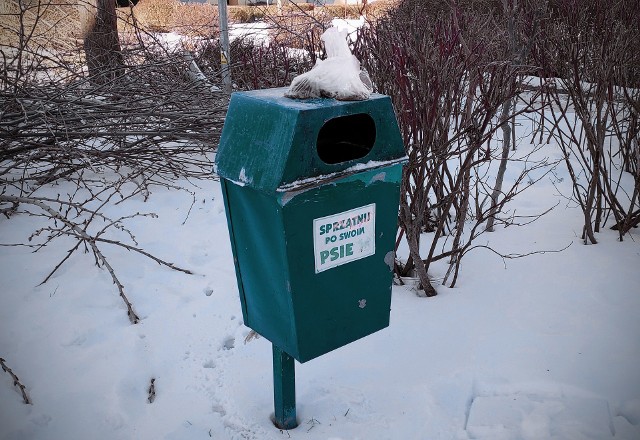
(346, 138)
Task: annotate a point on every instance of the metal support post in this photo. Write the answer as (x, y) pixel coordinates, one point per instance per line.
(284, 389)
(224, 46)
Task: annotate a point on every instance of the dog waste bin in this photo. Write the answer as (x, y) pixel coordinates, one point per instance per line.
(311, 192)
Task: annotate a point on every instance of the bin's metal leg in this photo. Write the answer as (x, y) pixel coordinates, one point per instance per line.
(284, 389)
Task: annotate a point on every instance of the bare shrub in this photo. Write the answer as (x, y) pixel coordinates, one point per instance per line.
(157, 15)
(449, 73)
(258, 66)
(155, 125)
(34, 43)
(249, 14)
(50, 23)
(200, 20)
(346, 11)
(299, 28)
(591, 62)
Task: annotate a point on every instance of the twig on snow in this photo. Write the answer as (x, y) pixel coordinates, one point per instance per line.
(16, 381)
(152, 390)
(91, 241)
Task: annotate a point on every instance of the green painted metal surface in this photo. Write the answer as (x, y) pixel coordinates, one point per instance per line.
(284, 390)
(312, 241)
(269, 140)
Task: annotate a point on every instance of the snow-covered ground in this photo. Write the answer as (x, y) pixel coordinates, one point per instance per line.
(259, 31)
(547, 347)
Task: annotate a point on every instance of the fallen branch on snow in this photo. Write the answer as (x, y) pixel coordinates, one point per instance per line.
(152, 390)
(16, 381)
(74, 229)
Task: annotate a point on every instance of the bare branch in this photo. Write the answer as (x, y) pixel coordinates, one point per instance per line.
(89, 240)
(16, 382)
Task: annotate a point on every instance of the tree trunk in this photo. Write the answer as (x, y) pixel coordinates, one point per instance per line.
(413, 240)
(506, 141)
(101, 44)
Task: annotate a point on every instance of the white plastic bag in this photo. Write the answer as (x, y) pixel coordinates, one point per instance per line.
(338, 76)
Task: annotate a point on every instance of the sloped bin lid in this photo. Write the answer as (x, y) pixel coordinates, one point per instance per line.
(270, 141)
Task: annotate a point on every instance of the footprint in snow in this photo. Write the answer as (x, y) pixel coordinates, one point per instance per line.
(229, 343)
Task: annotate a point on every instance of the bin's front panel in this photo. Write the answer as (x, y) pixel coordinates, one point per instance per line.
(258, 244)
(340, 238)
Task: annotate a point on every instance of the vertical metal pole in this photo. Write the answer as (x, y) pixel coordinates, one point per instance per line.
(224, 45)
(284, 389)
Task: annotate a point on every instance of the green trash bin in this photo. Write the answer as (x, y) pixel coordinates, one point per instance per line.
(311, 192)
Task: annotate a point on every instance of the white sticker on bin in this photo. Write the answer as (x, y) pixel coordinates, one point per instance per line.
(344, 237)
